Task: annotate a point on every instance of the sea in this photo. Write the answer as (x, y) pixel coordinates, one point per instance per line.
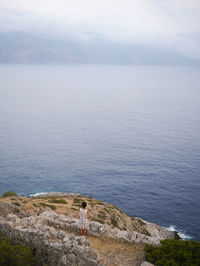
(127, 135)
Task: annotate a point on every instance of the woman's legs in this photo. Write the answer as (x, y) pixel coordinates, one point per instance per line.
(84, 232)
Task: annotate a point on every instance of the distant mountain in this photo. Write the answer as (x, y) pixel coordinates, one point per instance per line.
(25, 48)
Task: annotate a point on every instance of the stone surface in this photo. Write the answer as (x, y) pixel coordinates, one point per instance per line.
(146, 263)
(27, 221)
(57, 247)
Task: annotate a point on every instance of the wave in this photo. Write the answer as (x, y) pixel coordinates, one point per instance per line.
(38, 194)
(183, 235)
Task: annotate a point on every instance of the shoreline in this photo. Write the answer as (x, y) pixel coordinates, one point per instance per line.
(179, 234)
(49, 222)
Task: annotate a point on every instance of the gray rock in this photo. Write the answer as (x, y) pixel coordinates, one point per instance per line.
(94, 226)
(146, 263)
(6, 208)
(81, 240)
(70, 258)
(78, 251)
(56, 247)
(61, 248)
(60, 234)
(90, 262)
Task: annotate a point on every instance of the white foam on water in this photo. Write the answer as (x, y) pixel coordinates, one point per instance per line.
(181, 233)
(37, 194)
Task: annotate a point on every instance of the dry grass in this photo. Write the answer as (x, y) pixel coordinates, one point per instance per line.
(115, 253)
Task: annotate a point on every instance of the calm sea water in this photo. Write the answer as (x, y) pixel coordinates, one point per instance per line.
(122, 134)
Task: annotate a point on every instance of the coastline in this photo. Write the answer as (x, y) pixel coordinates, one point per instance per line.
(49, 222)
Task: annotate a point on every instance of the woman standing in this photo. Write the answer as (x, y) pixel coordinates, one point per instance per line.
(84, 223)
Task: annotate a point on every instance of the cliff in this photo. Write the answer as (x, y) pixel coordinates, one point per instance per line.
(49, 223)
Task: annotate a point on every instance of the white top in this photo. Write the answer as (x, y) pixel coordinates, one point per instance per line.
(83, 213)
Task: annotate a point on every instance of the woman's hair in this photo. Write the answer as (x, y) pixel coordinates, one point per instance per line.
(84, 204)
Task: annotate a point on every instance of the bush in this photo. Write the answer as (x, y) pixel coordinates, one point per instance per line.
(114, 221)
(174, 253)
(9, 194)
(53, 207)
(59, 201)
(16, 255)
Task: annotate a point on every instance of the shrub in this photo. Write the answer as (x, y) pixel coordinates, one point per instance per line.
(77, 205)
(114, 221)
(53, 207)
(174, 253)
(140, 221)
(73, 209)
(16, 203)
(99, 220)
(16, 255)
(77, 200)
(60, 201)
(9, 194)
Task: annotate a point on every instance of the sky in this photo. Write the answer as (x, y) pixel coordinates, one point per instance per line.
(170, 24)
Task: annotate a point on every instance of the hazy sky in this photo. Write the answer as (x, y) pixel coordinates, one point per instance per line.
(172, 24)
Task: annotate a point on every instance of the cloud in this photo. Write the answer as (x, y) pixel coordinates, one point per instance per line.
(172, 24)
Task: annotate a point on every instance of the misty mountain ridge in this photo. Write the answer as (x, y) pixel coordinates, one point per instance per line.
(24, 48)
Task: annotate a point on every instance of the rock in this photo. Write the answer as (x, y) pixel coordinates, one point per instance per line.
(176, 235)
(78, 251)
(70, 258)
(94, 226)
(6, 208)
(81, 240)
(56, 247)
(105, 229)
(48, 215)
(60, 234)
(90, 262)
(146, 263)
(47, 231)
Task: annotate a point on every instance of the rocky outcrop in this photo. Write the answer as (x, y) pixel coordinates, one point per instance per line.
(31, 221)
(157, 233)
(57, 247)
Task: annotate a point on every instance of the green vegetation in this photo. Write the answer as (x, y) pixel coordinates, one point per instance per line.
(145, 232)
(77, 205)
(99, 202)
(73, 209)
(118, 209)
(17, 255)
(174, 253)
(16, 203)
(59, 201)
(140, 221)
(77, 200)
(99, 220)
(9, 194)
(124, 227)
(101, 217)
(53, 207)
(135, 227)
(114, 221)
(106, 209)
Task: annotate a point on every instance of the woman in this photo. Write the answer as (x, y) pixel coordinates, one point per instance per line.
(83, 223)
